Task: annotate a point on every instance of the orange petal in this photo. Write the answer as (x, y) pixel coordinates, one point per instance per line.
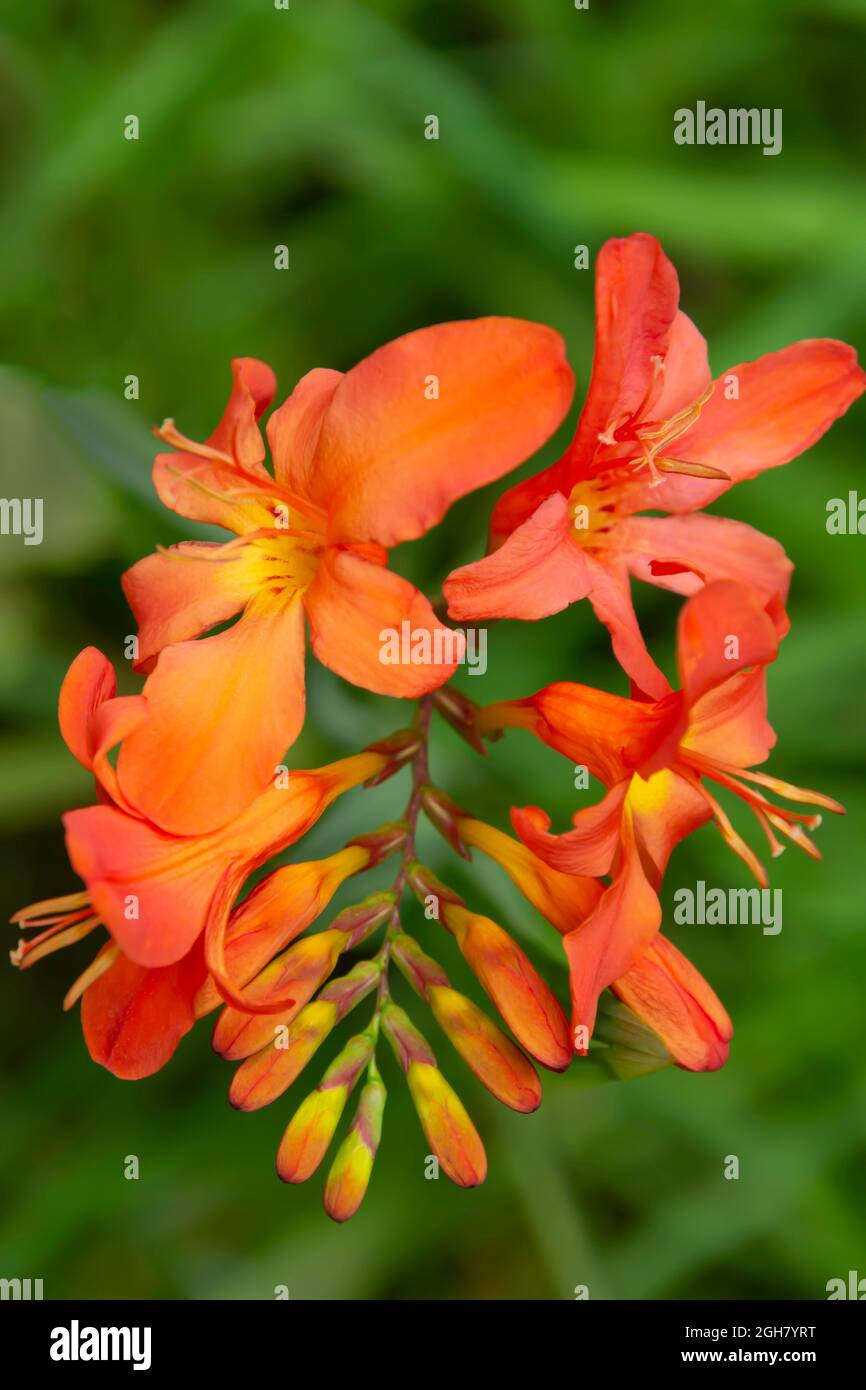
(710, 547)
(722, 629)
(730, 723)
(786, 401)
(614, 936)
(610, 596)
(539, 570)
(237, 434)
(636, 297)
(187, 589)
(685, 376)
(88, 683)
(294, 429)
(517, 504)
(133, 1018)
(666, 808)
(352, 606)
(666, 991)
(242, 689)
(152, 894)
(563, 898)
(215, 491)
(589, 848)
(391, 461)
(609, 734)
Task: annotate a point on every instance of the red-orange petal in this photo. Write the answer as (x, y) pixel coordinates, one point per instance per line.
(539, 570)
(354, 606)
(722, 629)
(391, 459)
(666, 991)
(133, 1017)
(243, 688)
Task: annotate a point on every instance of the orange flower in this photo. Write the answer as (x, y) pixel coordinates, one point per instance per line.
(654, 757)
(362, 462)
(157, 893)
(656, 433)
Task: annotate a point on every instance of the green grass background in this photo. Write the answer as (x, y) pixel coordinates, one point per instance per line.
(155, 257)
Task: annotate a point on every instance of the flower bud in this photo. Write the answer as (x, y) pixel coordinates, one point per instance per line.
(298, 972)
(498, 1064)
(397, 750)
(446, 815)
(312, 1126)
(270, 1072)
(508, 977)
(460, 712)
(350, 1172)
(449, 1130)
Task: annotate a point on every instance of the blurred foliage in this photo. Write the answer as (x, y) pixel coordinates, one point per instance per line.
(155, 257)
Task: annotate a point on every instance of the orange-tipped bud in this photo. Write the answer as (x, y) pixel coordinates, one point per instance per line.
(498, 1064)
(276, 912)
(312, 1126)
(350, 1172)
(508, 977)
(298, 973)
(270, 1072)
(450, 1133)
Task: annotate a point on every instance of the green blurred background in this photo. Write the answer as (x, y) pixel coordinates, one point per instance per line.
(155, 257)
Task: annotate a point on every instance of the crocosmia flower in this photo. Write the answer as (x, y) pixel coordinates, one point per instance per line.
(166, 900)
(656, 434)
(655, 758)
(362, 461)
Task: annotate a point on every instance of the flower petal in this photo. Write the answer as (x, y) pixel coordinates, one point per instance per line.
(88, 684)
(610, 596)
(614, 936)
(237, 434)
(133, 1018)
(636, 297)
(181, 592)
(242, 689)
(666, 991)
(149, 890)
(786, 401)
(294, 430)
(710, 547)
(539, 570)
(722, 629)
(589, 848)
(352, 607)
(730, 723)
(391, 459)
